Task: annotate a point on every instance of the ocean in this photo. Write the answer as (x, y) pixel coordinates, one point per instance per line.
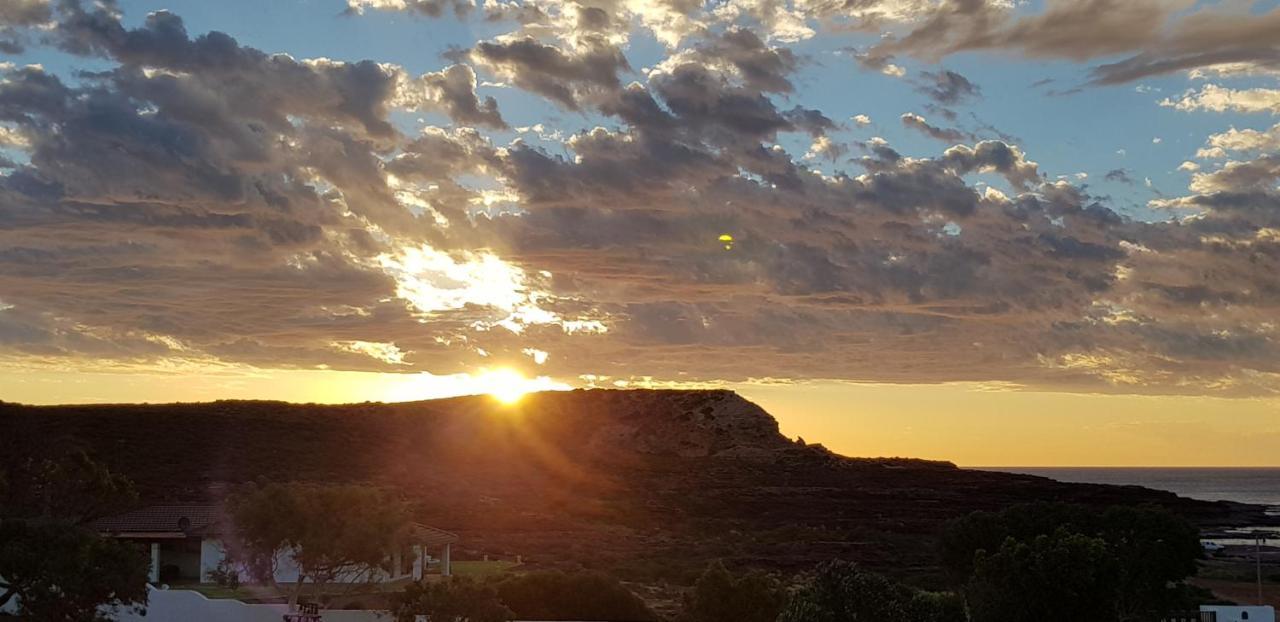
(1246, 485)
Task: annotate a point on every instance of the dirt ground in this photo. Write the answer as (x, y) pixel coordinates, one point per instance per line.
(1241, 592)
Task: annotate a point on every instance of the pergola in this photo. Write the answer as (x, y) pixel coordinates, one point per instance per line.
(425, 539)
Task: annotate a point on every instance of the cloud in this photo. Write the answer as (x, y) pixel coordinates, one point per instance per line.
(198, 202)
(563, 76)
(1246, 140)
(918, 123)
(825, 148)
(1216, 98)
(431, 8)
(453, 90)
(1260, 174)
(947, 87)
(1119, 175)
(1159, 37)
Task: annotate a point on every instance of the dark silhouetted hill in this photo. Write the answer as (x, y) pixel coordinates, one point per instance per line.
(648, 484)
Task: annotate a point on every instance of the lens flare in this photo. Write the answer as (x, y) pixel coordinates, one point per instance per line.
(505, 385)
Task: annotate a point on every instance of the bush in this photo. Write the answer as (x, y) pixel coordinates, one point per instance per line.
(1065, 577)
(225, 574)
(455, 600)
(719, 596)
(1149, 552)
(841, 591)
(557, 595)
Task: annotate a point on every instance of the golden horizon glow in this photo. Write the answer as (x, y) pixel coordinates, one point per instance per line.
(504, 384)
(966, 423)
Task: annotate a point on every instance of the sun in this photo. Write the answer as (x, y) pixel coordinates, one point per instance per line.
(504, 384)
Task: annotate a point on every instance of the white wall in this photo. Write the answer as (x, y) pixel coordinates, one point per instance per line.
(212, 552)
(1237, 614)
(189, 606)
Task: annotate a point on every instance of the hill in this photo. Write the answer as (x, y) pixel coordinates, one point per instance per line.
(647, 484)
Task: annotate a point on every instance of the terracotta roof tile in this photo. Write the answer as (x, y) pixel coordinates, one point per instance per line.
(192, 520)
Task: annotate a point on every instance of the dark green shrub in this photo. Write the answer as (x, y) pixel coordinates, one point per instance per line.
(555, 595)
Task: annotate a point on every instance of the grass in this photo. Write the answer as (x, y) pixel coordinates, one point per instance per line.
(264, 592)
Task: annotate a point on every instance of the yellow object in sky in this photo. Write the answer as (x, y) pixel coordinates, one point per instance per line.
(727, 240)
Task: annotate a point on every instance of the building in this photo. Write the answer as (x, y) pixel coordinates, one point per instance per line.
(1227, 613)
(187, 542)
(1233, 613)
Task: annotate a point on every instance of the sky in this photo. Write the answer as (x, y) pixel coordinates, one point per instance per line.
(998, 232)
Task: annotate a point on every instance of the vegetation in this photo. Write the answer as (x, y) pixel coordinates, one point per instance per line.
(570, 494)
(481, 569)
(457, 599)
(331, 532)
(1064, 577)
(57, 568)
(720, 596)
(841, 591)
(1070, 563)
(571, 596)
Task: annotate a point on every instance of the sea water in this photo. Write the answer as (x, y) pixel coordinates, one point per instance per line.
(1246, 485)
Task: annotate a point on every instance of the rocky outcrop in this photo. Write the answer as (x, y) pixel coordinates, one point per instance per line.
(686, 423)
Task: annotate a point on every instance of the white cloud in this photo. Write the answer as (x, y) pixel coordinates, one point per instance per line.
(385, 352)
(1216, 98)
(538, 356)
(1248, 140)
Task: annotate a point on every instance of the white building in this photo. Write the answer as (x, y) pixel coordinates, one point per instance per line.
(1232, 613)
(187, 543)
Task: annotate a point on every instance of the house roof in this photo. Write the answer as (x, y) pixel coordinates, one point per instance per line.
(181, 521)
(430, 536)
(171, 521)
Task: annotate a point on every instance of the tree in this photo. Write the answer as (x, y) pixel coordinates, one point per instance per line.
(1064, 577)
(60, 571)
(719, 596)
(41, 478)
(1153, 550)
(842, 592)
(56, 568)
(453, 600)
(1156, 551)
(332, 532)
(964, 537)
(557, 595)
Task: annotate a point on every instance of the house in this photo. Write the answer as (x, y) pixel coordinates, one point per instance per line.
(1233, 613)
(1227, 613)
(187, 542)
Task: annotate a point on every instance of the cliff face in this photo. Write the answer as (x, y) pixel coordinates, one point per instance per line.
(650, 484)
(686, 423)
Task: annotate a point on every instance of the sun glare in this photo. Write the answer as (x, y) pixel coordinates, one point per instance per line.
(504, 384)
